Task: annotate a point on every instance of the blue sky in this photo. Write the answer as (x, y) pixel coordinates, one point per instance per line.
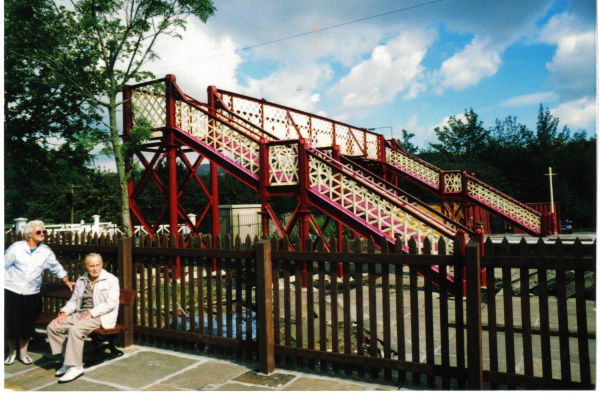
(411, 69)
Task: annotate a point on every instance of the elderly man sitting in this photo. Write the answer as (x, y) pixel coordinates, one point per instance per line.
(94, 304)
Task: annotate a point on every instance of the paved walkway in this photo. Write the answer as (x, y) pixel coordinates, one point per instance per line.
(151, 369)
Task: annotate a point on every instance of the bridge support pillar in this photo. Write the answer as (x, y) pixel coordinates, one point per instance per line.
(172, 165)
(214, 206)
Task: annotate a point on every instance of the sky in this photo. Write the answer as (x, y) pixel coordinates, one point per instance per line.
(411, 68)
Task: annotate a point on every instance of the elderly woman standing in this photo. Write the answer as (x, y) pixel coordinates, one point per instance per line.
(24, 263)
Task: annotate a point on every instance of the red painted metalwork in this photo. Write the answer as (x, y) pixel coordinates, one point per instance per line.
(392, 159)
(278, 163)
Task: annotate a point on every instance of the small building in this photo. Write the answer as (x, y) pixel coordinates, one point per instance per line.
(239, 219)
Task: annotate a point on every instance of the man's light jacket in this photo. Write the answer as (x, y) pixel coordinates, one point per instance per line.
(23, 269)
(105, 298)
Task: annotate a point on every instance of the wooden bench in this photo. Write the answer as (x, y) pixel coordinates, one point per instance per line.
(100, 335)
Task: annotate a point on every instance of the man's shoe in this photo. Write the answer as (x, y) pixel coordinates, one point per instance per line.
(72, 374)
(60, 372)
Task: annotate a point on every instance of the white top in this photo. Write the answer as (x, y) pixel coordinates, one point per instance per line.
(23, 269)
(106, 298)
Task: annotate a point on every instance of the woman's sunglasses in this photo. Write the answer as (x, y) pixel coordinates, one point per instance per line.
(40, 232)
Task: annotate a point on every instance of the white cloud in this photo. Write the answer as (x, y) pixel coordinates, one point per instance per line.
(578, 113)
(282, 86)
(478, 60)
(533, 98)
(412, 126)
(432, 136)
(392, 68)
(573, 66)
(192, 60)
(558, 26)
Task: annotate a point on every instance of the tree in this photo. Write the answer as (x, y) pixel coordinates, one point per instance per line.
(462, 140)
(509, 134)
(547, 135)
(40, 114)
(98, 47)
(406, 144)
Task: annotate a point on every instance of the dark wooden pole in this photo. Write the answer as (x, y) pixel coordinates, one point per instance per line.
(474, 348)
(125, 263)
(264, 301)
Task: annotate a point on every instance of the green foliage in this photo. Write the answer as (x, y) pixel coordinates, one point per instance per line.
(461, 140)
(193, 199)
(406, 144)
(513, 159)
(94, 48)
(36, 189)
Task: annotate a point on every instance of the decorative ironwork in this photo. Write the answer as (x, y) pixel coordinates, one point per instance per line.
(283, 164)
(372, 146)
(512, 210)
(418, 170)
(372, 208)
(402, 196)
(217, 135)
(452, 182)
(318, 131)
(150, 106)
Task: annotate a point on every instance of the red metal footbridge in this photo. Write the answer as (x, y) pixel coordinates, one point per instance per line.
(348, 173)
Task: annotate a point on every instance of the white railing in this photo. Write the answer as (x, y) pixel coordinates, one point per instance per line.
(390, 219)
(287, 124)
(419, 170)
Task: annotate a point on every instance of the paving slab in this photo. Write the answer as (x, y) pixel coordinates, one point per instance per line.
(275, 380)
(32, 378)
(314, 384)
(161, 387)
(204, 374)
(126, 371)
(80, 385)
(241, 387)
(39, 359)
(12, 387)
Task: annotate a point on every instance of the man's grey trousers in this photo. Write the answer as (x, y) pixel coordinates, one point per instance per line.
(73, 332)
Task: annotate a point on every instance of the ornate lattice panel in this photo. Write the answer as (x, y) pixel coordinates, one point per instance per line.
(246, 126)
(505, 206)
(149, 103)
(361, 139)
(432, 213)
(217, 135)
(247, 109)
(372, 141)
(283, 164)
(302, 123)
(344, 139)
(277, 123)
(322, 133)
(349, 193)
(452, 182)
(413, 167)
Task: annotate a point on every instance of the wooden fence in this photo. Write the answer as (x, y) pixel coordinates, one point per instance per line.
(380, 320)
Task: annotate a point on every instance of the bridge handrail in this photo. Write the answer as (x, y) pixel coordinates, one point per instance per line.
(386, 195)
(364, 135)
(413, 200)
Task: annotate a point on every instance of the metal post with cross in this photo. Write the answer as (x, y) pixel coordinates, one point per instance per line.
(553, 214)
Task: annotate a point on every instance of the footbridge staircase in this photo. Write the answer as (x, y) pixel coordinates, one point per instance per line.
(385, 158)
(279, 151)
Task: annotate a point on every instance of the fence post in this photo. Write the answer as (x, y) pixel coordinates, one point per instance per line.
(474, 348)
(125, 263)
(264, 301)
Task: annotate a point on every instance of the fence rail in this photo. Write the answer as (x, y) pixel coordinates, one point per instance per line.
(532, 327)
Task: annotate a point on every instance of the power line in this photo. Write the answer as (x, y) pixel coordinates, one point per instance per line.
(303, 34)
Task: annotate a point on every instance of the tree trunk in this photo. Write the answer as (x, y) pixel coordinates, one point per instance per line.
(120, 161)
